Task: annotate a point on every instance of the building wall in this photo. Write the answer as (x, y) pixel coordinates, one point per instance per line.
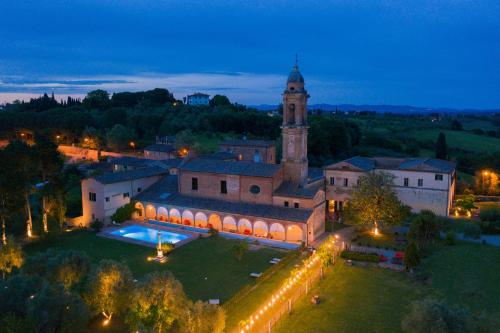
(433, 195)
(102, 209)
(248, 153)
(238, 187)
(158, 155)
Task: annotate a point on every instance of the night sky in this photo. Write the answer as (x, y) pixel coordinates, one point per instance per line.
(424, 53)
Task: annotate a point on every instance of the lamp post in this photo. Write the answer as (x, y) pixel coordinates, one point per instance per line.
(132, 144)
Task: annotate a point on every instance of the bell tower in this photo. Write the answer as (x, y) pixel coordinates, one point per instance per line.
(294, 128)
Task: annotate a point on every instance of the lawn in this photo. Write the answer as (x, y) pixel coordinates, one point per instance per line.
(207, 268)
(250, 299)
(362, 299)
(459, 139)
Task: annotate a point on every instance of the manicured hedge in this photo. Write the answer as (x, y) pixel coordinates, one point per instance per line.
(358, 256)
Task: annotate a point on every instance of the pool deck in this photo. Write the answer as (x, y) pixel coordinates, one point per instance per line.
(108, 234)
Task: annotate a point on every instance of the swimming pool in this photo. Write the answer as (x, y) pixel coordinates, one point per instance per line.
(148, 235)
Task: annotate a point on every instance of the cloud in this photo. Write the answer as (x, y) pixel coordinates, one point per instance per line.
(247, 88)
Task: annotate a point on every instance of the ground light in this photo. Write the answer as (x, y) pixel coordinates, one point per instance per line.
(287, 285)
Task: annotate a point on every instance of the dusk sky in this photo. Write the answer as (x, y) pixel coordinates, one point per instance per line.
(424, 53)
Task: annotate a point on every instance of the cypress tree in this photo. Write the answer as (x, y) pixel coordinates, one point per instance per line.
(441, 148)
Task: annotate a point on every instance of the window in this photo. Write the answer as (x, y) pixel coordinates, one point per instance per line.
(420, 182)
(126, 195)
(346, 182)
(254, 189)
(358, 182)
(139, 189)
(223, 187)
(194, 184)
(92, 196)
(107, 199)
(296, 205)
(406, 181)
(286, 203)
(438, 177)
(332, 180)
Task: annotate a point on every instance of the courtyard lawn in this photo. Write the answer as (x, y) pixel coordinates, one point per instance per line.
(386, 240)
(250, 299)
(207, 268)
(365, 299)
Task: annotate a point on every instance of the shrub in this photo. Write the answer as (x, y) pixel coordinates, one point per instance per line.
(358, 256)
(490, 227)
(450, 238)
(431, 315)
(96, 225)
(411, 258)
(167, 248)
(124, 213)
(472, 230)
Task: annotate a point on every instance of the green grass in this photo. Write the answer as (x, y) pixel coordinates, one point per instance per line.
(459, 139)
(366, 299)
(207, 268)
(249, 300)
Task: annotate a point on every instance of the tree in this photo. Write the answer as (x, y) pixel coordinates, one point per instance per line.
(50, 164)
(423, 229)
(202, 317)
(411, 258)
(119, 137)
(109, 287)
(11, 256)
(456, 125)
(124, 213)
(68, 268)
(240, 248)
(374, 201)
(52, 309)
(219, 100)
(156, 303)
(97, 99)
(10, 192)
(435, 316)
(326, 251)
(441, 148)
(23, 160)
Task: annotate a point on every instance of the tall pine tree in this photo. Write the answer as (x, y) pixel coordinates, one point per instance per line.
(441, 147)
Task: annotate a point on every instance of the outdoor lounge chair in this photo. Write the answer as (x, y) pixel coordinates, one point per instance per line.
(255, 275)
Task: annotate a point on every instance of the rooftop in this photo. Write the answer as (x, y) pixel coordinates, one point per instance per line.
(243, 168)
(293, 190)
(117, 177)
(359, 163)
(131, 161)
(199, 95)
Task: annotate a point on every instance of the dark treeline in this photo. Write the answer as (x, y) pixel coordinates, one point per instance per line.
(113, 121)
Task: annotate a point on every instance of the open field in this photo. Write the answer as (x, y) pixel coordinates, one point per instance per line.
(207, 268)
(358, 299)
(459, 139)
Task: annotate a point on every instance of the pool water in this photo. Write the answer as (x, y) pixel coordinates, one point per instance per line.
(148, 235)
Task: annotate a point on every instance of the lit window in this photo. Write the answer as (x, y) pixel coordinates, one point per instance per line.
(406, 181)
(438, 177)
(420, 182)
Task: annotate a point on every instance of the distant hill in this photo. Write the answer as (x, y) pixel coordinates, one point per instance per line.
(380, 108)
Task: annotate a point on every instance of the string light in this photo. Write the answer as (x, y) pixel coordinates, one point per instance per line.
(287, 285)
